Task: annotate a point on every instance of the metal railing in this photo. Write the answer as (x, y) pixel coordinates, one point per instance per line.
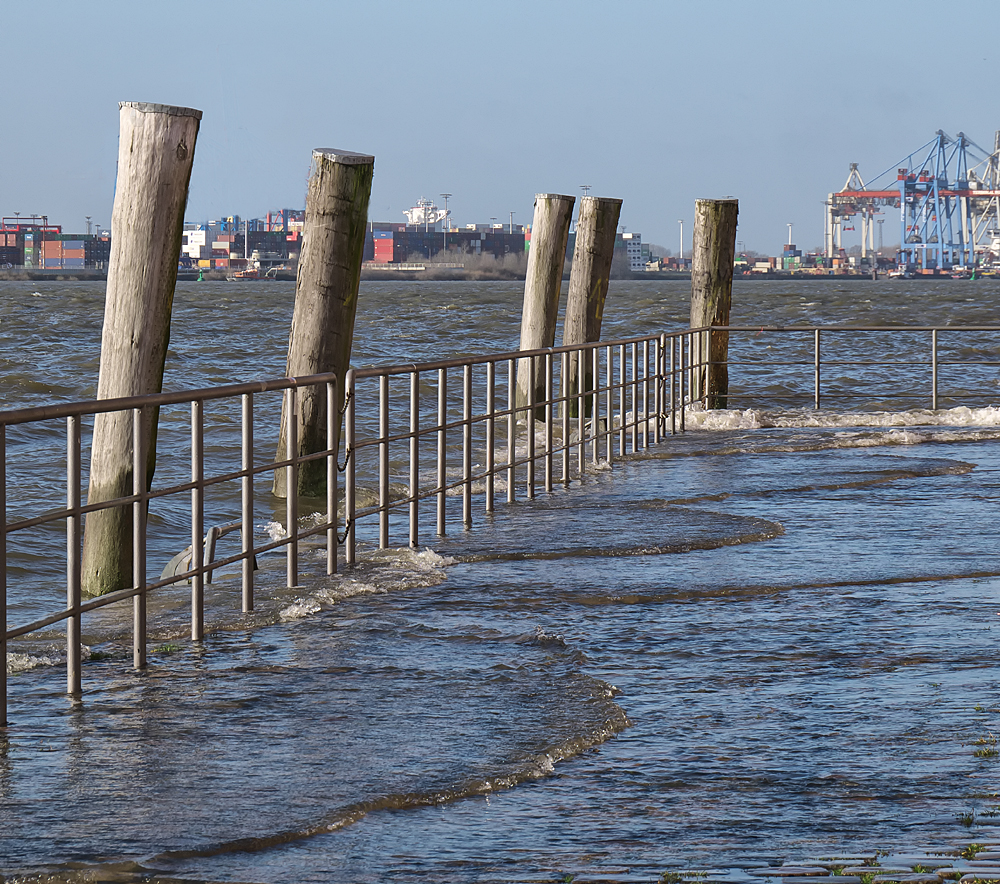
(527, 415)
(874, 366)
(201, 566)
(420, 435)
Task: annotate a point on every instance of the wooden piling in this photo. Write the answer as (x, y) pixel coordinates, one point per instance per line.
(588, 279)
(326, 300)
(155, 155)
(714, 251)
(549, 235)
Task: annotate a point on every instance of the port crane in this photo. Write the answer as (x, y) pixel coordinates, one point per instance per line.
(949, 211)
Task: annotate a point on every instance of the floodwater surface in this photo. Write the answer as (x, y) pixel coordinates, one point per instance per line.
(771, 636)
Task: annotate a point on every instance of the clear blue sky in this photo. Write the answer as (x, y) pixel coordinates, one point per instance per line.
(658, 103)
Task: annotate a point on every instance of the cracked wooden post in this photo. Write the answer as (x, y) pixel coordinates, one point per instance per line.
(714, 251)
(155, 155)
(588, 282)
(326, 299)
(549, 235)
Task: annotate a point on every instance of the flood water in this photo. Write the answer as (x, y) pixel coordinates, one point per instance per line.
(773, 636)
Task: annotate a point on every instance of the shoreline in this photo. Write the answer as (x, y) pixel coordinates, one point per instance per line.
(448, 275)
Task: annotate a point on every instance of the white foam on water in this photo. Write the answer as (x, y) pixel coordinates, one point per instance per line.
(755, 419)
(24, 662)
(376, 572)
(275, 530)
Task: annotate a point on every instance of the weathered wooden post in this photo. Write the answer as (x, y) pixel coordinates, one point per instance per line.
(588, 281)
(326, 299)
(714, 251)
(549, 235)
(155, 155)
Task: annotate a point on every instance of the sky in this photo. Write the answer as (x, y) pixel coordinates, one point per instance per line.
(657, 103)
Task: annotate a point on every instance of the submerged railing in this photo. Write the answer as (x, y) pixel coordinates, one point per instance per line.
(417, 436)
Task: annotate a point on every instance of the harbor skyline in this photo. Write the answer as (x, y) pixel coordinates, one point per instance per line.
(658, 105)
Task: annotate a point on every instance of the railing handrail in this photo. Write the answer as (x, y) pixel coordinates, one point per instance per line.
(178, 397)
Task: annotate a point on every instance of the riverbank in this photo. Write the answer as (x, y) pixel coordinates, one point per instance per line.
(425, 273)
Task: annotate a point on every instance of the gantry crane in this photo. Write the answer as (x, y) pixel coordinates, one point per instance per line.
(949, 213)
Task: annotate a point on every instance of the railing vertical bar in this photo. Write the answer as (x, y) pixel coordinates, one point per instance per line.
(383, 462)
(3, 575)
(645, 394)
(564, 405)
(581, 412)
(292, 489)
(529, 424)
(673, 386)
(467, 446)
(197, 521)
(609, 403)
(657, 389)
(817, 369)
(414, 458)
(934, 369)
(633, 389)
(491, 407)
(549, 385)
(350, 480)
(511, 428)
(595, 409)
(246, 494)
(138, 540)
(332, 479)
(621, 400)
(681, 401)
(73, 572)
(442, 449)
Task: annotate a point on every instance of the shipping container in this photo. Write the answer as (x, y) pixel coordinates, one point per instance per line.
(72, 244)
(74, 253)
(73, 263)
(204, 262)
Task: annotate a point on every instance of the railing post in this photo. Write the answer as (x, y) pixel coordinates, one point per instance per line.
(350, 462)
(595, 410)
(491, 407)
(246, 494)
(292, 495)
(673, 386)
(511, 429)
(3, 576)
(467, 446)
(581, 411)
(383, 462)
(621, 400)
(609, 404)
(657, 388)
(73, 570)
(934, 370)
(332, 469)
(529, 423)
(548, 421)
(442, 452)
(635, 398)
(681, 401)
(138, 541)
(645, 394)
(817, 366)
(197, 521)
(566, 392)
(414, 458)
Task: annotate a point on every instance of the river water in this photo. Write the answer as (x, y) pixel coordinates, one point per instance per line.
(769, 637)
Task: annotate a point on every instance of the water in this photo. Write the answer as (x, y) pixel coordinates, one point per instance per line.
(769, 638)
